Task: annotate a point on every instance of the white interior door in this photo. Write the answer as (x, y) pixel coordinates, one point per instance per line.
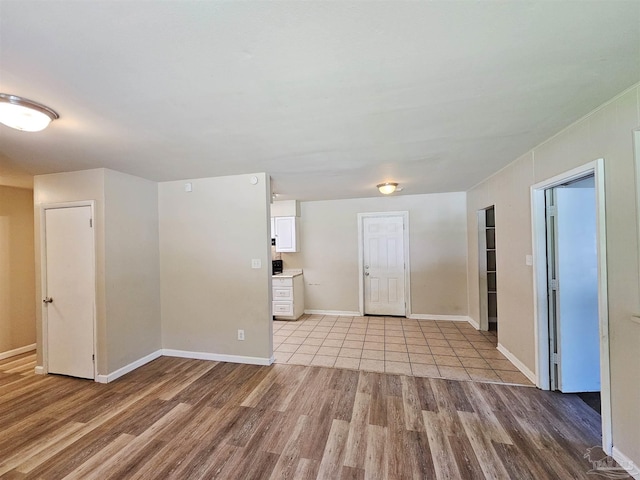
(384, 268)
(577, 290)
(70, 291)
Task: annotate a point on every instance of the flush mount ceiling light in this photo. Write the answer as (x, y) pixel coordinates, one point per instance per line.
(26, 115)
(387, 187)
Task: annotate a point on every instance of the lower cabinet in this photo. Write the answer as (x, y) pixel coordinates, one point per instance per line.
(288, 297)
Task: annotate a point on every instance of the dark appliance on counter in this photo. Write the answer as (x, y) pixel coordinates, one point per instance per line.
(277, 266)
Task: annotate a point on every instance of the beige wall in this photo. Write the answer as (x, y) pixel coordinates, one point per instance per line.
(17, 269)
(125, 222)
(606, 133)
(513, 243)
(437, 244)
(208, 288)
(72, 187)
(132, 268)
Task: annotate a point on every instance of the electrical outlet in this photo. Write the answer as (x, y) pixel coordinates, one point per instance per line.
(256, 263)
(240, 334)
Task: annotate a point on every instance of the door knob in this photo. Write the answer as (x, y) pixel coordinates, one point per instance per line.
(47, 300)
(366, 273)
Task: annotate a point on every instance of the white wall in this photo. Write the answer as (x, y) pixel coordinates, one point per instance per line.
(438, 251)
(605, 133)
(17, 269)
(208, 288)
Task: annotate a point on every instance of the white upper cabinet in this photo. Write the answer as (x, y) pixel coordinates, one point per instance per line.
(286, 230)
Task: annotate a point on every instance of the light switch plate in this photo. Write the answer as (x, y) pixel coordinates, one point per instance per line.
(528, 260)
(188, 187)
(256, 263)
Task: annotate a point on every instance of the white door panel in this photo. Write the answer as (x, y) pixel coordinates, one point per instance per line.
(577, 271)
(384, 269)
(70, 285)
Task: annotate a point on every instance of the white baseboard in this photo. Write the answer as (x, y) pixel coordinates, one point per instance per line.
(414, 316)
(519, 365)
(448, 318)
(128, 368)
(625, 462)
(217, 357)
(17, 351)
(339, 313)
(473, 323)
(39, 370)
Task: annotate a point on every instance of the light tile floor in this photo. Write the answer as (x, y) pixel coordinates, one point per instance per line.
(422, 348)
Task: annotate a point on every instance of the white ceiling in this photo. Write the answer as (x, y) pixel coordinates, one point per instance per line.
(329, 98)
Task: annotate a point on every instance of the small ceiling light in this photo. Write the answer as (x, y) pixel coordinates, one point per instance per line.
(22, 114)
(387, 187)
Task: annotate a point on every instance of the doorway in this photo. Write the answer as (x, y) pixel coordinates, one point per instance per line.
(68, 290)
(383, 259)
(487, 268)
(572, 277)
(570, 285)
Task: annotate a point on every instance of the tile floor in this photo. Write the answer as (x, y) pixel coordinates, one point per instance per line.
(422, 348)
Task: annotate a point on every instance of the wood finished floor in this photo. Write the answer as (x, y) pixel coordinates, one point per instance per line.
(183, 419)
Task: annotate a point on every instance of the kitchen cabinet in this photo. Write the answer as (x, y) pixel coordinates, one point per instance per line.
(286, 234)
(288, 295)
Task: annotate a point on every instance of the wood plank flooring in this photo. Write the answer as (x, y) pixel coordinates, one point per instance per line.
(190, 419)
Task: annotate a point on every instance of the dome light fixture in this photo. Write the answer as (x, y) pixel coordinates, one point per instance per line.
(387, 187)
(26, 115)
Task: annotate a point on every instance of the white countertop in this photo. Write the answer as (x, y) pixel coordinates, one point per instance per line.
(294, 272)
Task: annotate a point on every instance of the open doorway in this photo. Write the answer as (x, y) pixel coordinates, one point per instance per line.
(487, 268)
(572, 278)
(569, 239)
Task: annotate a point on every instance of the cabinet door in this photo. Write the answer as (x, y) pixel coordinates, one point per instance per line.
(286, 234)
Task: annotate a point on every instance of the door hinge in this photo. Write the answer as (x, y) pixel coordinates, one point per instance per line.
(552, 211)
(555, 358)
(553, 284)
(91, 223)
(93, 357)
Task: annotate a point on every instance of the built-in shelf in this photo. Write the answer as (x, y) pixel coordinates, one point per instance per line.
(492, 286)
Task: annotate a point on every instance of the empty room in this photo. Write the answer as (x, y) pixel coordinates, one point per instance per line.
(319, 240)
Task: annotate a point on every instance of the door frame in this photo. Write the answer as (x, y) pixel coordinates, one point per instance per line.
(636, 160)
(43, 279)
(407, 263)
(538, 228)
